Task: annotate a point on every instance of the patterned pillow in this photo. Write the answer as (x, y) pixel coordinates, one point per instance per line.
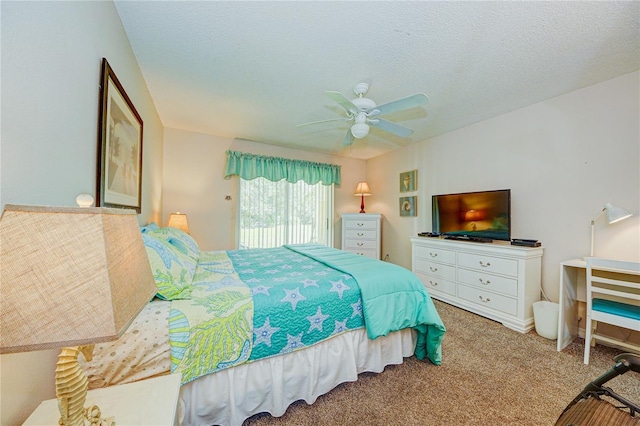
(172, 269)
(182, 241)
(148, 228)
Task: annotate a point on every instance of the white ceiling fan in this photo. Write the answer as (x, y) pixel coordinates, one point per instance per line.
(364, 112)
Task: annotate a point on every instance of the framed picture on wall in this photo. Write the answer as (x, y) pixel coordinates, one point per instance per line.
(119, 180)
(408, 181)
(408, 206)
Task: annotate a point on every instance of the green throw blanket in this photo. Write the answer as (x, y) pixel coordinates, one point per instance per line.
(393, 298)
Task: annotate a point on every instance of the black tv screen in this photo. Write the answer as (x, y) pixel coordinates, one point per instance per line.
(485, 214)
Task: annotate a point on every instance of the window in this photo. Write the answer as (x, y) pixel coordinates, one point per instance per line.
(277, 213)
(283, 201)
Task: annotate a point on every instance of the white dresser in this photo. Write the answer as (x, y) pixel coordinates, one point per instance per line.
(362, 234)
(496, 280)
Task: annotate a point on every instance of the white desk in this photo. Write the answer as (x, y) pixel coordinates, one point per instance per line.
(147, 402)
(572, 289)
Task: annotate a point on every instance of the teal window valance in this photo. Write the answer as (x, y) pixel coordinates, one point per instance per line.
(249, 166)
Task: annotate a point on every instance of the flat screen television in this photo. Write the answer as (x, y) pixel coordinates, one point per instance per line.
(484, 214)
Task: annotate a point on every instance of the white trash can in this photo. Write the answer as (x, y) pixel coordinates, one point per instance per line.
(545, 316)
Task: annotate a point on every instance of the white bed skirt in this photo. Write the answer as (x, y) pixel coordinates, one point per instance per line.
(230, 396)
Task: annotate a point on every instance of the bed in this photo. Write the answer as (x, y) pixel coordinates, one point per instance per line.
(254, 330)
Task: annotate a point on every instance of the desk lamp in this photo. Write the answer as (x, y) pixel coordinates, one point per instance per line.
(70, 277)
(363, 191)
(614, 214)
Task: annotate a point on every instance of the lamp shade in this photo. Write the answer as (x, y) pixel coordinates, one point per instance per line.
(70, 276)
(615, 214)
(179, 220)
(362, 189)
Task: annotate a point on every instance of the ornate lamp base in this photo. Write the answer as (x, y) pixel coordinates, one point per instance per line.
(71, 390)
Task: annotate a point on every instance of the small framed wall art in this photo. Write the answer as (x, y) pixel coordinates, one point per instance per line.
(408, 181)
(119, 180)
(408, 206)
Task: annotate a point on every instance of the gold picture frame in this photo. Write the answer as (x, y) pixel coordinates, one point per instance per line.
(408, 181)
(119, 177)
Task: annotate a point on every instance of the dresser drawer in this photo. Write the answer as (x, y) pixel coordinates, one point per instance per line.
(486, 299)
(488, 264)
(360, 224)
(360, 244)
(439, 255)
(434, 269)
(363, 252)
(360, 234)
(496, 283)
(438, 284)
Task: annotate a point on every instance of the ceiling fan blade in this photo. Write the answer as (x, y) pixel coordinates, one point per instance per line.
(390, 127)
(343, 101)
(324, 121)
(348, 138)
(403, 103)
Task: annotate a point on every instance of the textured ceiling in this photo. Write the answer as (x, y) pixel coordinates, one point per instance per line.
(254, 70)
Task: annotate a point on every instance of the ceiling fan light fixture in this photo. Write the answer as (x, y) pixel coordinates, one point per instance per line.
(359, 130)
(364, 104)
(361, 111)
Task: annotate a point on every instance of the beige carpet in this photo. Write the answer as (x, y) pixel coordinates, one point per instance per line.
(490, 375)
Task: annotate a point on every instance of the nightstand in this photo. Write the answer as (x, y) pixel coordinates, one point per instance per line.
(147, 402)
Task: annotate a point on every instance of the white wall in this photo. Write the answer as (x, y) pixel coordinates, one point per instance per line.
(51, 53)
(194, 183)
(562, 159)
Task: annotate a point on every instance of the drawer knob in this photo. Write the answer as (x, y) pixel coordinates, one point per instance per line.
(360, 234)
(483, 300)
(433, 269)
(360, 224)
(433, 254)
(433, 283)
(360, 244)
(485, 265)
(487, 282)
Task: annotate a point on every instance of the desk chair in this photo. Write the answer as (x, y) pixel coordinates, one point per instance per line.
(613, 297)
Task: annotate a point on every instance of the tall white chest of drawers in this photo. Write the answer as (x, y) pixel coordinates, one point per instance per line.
(496, 280)
(362, 233)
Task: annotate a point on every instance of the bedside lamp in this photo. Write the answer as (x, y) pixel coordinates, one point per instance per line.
(614, 214)
(70, 277)
(179, 220)
(363, 191)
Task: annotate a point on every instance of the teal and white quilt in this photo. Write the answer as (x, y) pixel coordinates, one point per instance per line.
(247, 305)
(297, 300)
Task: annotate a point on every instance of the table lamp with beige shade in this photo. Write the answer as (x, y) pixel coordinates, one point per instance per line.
(70, 277)
(179, 220)
(362, 190)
